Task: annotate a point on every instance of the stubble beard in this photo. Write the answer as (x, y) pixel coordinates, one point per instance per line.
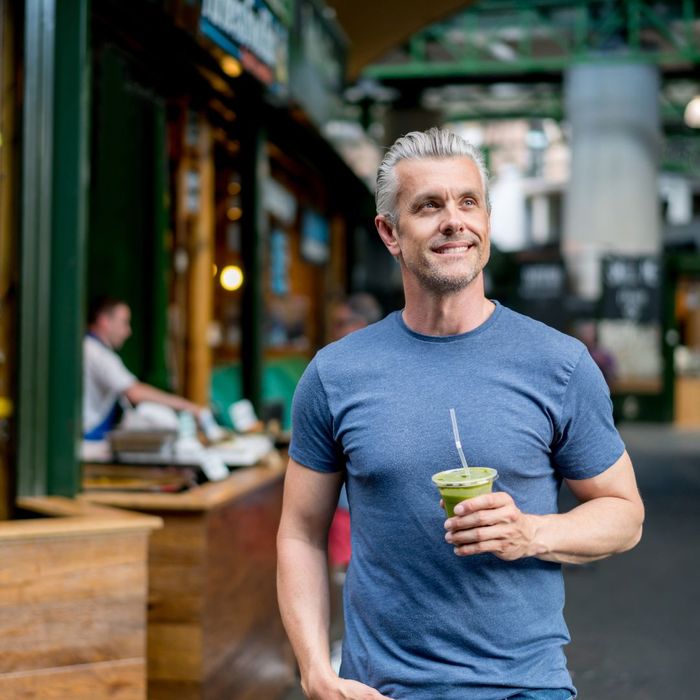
(435, 280)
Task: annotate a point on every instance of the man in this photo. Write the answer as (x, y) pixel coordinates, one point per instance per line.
(359, 310)
(105, 377)
(468, 608)
(355, 312)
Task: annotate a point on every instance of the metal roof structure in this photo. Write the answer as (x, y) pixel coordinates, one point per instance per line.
(506, 59)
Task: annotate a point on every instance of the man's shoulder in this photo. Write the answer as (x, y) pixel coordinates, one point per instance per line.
(97, 348)
(93, 348)
(98, 357)
(537, 337)
(357, 347)
(362, 340)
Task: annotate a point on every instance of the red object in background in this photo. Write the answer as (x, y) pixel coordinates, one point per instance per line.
(339, 546)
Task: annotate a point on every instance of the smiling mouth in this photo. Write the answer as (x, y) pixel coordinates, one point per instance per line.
(454, 249)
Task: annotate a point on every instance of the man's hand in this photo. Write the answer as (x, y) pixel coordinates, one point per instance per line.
(493, 523)
(343, 689)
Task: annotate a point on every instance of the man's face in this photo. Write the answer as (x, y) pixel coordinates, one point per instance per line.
(345, 321)
(441, 237)
(116, 325)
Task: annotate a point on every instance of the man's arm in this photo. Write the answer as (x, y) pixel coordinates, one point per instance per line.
(310, 498)
(608, 521)
(139, 392)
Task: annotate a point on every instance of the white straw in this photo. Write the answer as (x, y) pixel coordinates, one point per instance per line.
(458, 443)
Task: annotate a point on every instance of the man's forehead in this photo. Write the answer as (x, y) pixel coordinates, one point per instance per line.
(416, 174)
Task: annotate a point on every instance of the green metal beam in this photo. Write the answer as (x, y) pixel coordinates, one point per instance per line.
(593, 31)
(551, 108)
(253, 172)
(55, 177)
(499, 70)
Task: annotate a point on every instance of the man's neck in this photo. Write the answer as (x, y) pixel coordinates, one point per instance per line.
(453, 314)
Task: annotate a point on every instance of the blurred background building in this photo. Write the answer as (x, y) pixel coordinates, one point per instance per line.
(212, 163)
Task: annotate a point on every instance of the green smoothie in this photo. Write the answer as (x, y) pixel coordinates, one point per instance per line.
(454, 487)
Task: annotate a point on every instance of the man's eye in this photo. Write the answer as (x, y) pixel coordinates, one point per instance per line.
(429, 205)
(470, 201)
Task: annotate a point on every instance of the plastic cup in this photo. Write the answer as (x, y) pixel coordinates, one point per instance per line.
(455, 486)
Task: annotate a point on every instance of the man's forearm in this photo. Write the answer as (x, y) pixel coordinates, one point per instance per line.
(145, 392)
(593, 530)
(302, 589)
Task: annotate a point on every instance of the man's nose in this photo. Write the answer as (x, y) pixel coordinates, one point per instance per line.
(452, 222)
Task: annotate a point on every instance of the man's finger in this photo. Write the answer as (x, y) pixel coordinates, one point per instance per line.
(478, 534)
(360, 691)
(485, 547)
(486, 501)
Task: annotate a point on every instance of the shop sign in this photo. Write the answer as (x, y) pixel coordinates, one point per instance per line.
(315, 237)
(542, 281)
(248, 30)
(279, 202)
(318, 62)
(541, 291)
(631, 288)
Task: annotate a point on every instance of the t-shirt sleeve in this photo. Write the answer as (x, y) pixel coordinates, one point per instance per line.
(313, 444)
(587, 441)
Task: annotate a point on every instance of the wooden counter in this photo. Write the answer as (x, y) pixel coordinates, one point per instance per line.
(214, 629)
(73, 601)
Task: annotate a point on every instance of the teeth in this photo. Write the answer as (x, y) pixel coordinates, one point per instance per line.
(447, 251)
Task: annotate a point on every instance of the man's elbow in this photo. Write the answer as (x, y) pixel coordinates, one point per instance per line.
(633, 541)
(636, 527)
(134, 393)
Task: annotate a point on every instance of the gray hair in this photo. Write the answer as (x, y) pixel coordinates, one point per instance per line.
(433, 143)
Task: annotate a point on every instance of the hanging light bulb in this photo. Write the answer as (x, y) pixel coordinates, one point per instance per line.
(231, 278)
(692, 113)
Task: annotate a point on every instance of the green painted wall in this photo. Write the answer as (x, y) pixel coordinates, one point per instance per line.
(127, 254)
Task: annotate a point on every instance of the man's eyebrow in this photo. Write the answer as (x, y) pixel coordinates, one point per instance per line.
(423, 196)
(431, 194)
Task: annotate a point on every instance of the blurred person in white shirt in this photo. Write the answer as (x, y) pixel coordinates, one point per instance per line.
(105, 376)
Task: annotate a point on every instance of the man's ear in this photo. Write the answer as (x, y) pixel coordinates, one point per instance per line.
(387, 232)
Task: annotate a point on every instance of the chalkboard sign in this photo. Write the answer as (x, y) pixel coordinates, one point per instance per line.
(631, 288)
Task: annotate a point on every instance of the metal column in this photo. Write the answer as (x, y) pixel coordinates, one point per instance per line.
(54, 186)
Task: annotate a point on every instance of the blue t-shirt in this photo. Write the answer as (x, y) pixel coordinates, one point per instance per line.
(420, 622)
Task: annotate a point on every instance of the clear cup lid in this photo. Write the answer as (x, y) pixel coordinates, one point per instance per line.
(479, 476)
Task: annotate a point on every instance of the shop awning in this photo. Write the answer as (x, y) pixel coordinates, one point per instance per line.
(373, 28)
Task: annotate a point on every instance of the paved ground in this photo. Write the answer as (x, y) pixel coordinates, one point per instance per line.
(635, 619)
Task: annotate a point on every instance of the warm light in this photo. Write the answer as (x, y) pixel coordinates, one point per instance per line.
(231, 66)
(234, 188)
(214, 269)
(692, 113)
(231, 278)
(234, 213)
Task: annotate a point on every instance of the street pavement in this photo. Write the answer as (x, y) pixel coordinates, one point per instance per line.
(635, 618)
